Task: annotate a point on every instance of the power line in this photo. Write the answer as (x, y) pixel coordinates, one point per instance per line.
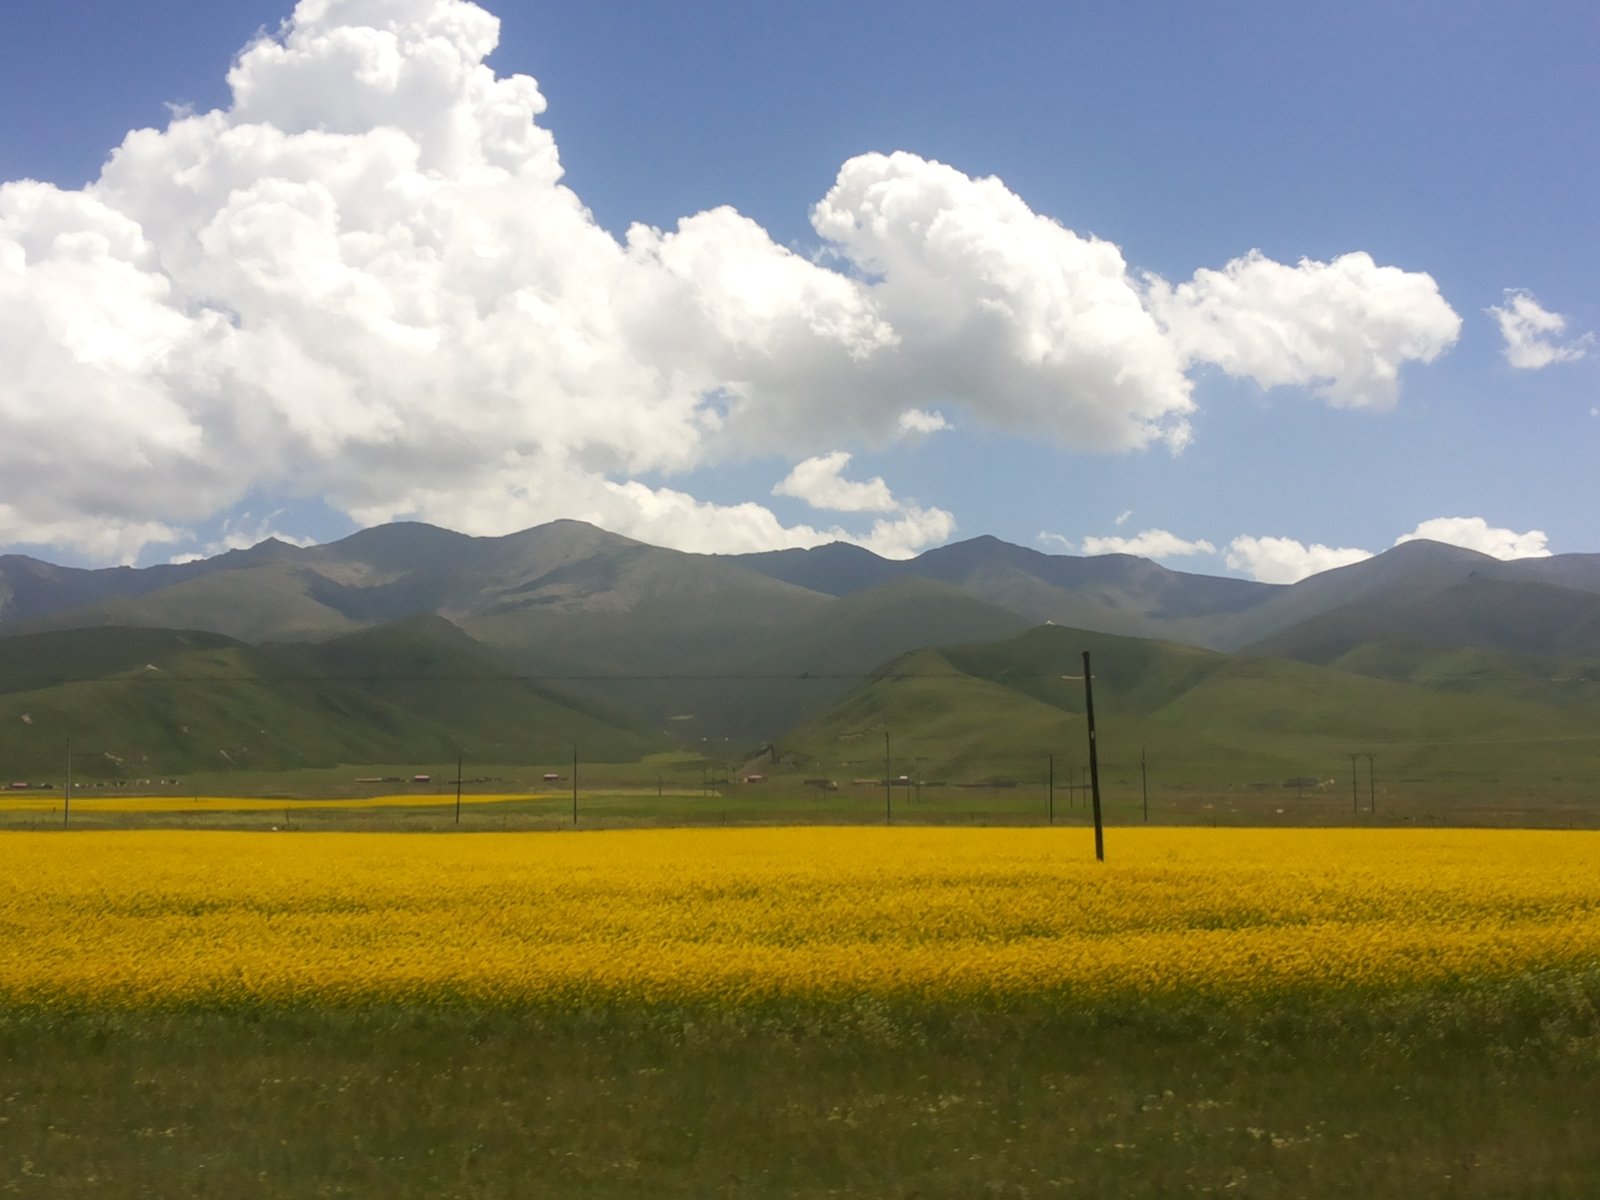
(586, 677)
(157, 674)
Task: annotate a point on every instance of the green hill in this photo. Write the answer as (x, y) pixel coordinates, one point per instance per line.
(737, 658)
(272, 601)
(1514, 616)
(429, 669)
(824, 658)
(999, 709)
(159, 702)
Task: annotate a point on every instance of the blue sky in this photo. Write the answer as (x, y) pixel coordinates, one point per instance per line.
(234, 333)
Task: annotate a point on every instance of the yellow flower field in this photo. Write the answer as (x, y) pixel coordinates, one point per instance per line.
(156, 917)
(88, 805)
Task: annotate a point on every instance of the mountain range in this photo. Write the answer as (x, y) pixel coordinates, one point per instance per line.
(586, 634)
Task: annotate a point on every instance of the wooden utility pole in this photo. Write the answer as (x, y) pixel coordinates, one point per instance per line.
(1355, 796)
(1144, 786)
(1094, 759)
(888, 785)
(458, 789)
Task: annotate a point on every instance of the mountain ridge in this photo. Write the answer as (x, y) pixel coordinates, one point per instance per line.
(669, 635)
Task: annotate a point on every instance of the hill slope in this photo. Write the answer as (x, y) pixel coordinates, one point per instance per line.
(159, 702)
(1000, 708)
(1512, 616)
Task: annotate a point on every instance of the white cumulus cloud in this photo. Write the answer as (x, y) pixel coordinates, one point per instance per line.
(1532, 333)
(364, 280)
(1474, 533)
(1033, 326)
(1151, 543)
(820, 483)
(1284, 560)
(1344, 327)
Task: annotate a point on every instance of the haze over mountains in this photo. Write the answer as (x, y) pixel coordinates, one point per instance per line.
(577, 630)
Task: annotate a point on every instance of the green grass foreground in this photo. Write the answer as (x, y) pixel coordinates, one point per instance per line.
(1484, 1090)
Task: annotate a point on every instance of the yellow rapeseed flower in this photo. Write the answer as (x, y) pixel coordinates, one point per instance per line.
(205, 805)
(155, 917)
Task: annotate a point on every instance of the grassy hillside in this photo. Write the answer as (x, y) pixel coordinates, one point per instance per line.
(272, 602)
(162, 703)
(30, 588)
(1397, 575)
(1496, 614)
(825, 658)
(1208, 719)
(738, 659)
(1429, 655)
(653, 634)
(429, 669)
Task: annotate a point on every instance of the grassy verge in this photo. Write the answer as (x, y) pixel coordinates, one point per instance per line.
(484, 808)
(1461, 1091)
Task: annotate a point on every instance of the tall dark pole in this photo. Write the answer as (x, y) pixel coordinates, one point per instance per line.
(1144, 786)
(1052, 789)
(1372, 787)
(888, 786)
(574, 785)
(1094, 759)
(1355, 796)
(458, 790)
